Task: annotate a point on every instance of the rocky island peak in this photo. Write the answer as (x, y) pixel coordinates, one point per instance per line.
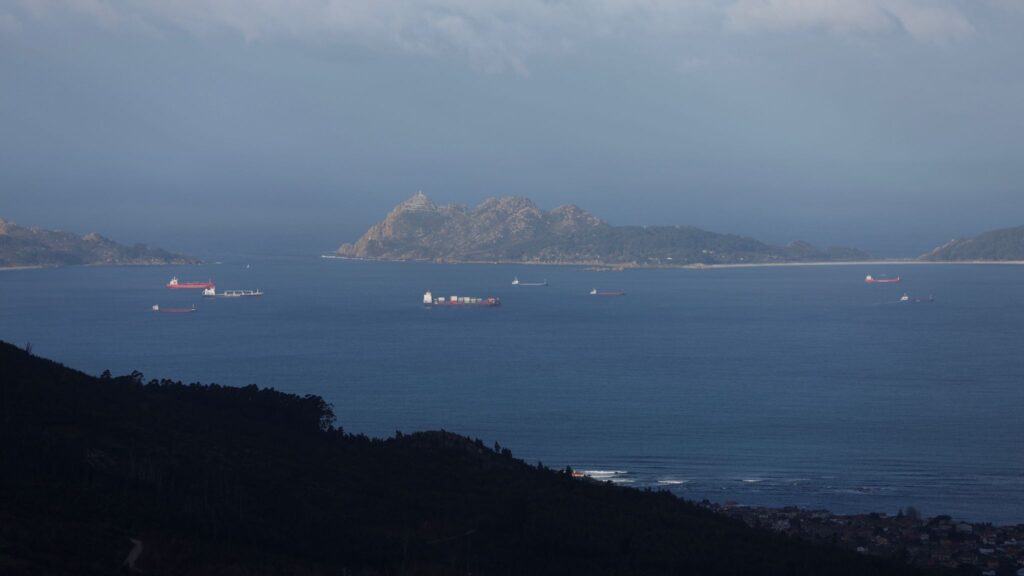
(515, 229)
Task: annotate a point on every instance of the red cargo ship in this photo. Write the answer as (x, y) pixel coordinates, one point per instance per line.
(177, 285)
(872, 280)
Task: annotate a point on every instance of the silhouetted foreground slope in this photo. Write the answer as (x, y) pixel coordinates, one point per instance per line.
(217, 480)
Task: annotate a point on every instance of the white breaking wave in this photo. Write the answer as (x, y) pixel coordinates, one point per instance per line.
(604, 472)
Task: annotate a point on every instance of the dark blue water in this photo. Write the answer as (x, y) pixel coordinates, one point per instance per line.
(798, 385)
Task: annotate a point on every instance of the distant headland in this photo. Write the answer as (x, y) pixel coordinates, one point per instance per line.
(23, 247)
(1003, 245)
(514, 229)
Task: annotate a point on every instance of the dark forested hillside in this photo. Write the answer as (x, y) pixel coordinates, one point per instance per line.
(218, 480)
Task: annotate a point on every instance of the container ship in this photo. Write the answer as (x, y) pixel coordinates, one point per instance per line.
(596, 292)
(178, 285)
(458, 301)
(212, 293)
(872, 280)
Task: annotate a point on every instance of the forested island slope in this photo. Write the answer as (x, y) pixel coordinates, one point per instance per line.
(1006, 244)
(218, 480)
(514, 229)
(24, 246)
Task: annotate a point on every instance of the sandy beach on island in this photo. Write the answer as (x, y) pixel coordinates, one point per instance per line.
(609, 267)
(854, 263)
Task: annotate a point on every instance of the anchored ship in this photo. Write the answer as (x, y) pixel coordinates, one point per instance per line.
(178, 285)
(883, 280)
(157, 308)
(516, 282)
(458, 301)
(212, 293)
(906, 298)
(596, 292)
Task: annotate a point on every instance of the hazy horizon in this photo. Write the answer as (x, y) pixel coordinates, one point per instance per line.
(250, 239)
(208, 127)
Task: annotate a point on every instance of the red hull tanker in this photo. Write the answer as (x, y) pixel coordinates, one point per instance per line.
(177, 285)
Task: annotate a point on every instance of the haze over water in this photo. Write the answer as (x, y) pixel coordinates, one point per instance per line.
(288, 127)
(788, 385)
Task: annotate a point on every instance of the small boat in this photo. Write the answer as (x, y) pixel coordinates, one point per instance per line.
(516, 282)
(882, 280)
(596, 292)
(157, 308)
(178, 285)
(458, 301)
(212, 293)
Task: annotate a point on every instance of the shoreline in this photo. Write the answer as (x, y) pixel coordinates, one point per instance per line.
(864, 263)
(935, 542)
(605, 267)
(97, 265)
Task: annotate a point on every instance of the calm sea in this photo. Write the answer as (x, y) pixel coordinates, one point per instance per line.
(777, 386)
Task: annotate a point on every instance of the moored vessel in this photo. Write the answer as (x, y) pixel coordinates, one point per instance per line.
(179, 285)
(459, 301)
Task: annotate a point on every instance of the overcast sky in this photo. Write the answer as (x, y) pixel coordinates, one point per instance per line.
(199, 125)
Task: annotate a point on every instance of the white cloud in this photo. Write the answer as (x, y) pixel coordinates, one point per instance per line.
(925, 20)
(99, 11)
(9, 24)
(492, 35)
(504, 34)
